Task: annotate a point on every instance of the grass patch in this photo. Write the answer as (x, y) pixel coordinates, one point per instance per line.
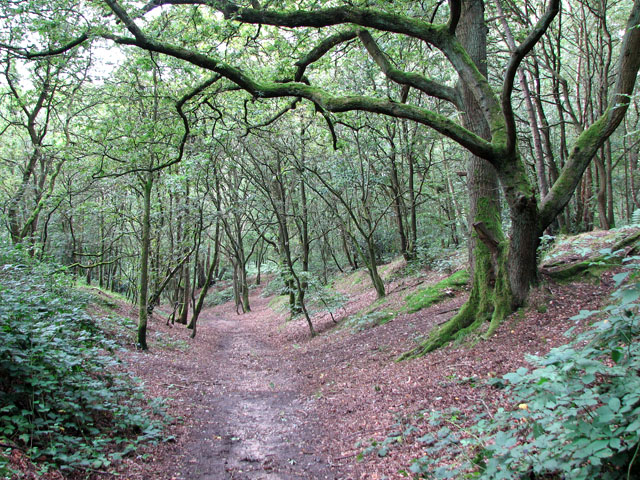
(348, 282)
(436, 293)
(364, 321)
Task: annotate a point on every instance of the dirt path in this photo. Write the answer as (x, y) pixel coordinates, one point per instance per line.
(244, 415)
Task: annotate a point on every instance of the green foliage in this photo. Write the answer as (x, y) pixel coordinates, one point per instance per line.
(364, 321)
(438, 292)
(62, 399)
(276, 286)
(323, 298)
(401, 432)
(431, 255)
(576, 414)
(218, 296)
(546, 244)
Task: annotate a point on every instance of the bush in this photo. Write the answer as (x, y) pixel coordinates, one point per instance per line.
(218, 296)
(61, 398)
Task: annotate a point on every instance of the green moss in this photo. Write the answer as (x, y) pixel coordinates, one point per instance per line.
(587, 269)
(435, 293)
(279, 303)
(364, 321)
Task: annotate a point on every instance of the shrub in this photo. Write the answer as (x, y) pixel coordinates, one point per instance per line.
(218, 296)
(62, 400)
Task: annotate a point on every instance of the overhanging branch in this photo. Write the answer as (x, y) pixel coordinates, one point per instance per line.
(410, 79)
(475, 144)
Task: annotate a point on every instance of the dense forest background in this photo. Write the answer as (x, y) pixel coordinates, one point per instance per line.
(124, 159)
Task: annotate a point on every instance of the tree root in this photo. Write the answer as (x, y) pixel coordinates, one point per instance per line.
(466, 319)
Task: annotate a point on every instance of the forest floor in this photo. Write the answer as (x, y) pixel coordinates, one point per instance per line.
(259, 398)
(253, 396)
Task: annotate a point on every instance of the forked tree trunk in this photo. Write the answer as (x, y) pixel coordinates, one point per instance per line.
(514, 260)
(487, 247)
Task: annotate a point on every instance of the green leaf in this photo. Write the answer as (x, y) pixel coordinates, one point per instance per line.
(615, 443)
(614, 404)
(604, 414)
(620, 277)
(427, 439)
(616, 355)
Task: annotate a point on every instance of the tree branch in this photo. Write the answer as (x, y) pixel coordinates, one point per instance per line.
(475, 144)
(320, 50)
(124, 17)
(516, 58)
(433, 34)
(410, 79)
(486, 236)
(455, 8)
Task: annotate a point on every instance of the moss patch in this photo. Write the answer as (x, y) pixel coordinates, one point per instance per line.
(364, 321)
(279, 303)
(436, 293)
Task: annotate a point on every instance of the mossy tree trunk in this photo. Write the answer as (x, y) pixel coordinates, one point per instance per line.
(372, 268)
(486, 240)
(203, 294)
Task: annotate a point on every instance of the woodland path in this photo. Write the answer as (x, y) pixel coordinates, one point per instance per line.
(261, 400)
(244, 417)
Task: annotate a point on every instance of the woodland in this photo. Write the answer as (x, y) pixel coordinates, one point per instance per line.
(372, 221)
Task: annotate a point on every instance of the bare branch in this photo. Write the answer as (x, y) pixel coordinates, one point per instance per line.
(455, 7)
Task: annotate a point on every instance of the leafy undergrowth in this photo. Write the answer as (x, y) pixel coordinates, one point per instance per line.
(435, 293)
(65, 401)
(568, 249)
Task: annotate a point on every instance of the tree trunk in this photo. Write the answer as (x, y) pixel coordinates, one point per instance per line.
(144, 264)
(203, 294)
(185, 294)
(372, 267)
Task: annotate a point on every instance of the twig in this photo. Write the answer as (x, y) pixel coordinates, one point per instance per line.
(347, 456)
(100, 472)
(400, 288)
(447, 311)
(487, 407)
